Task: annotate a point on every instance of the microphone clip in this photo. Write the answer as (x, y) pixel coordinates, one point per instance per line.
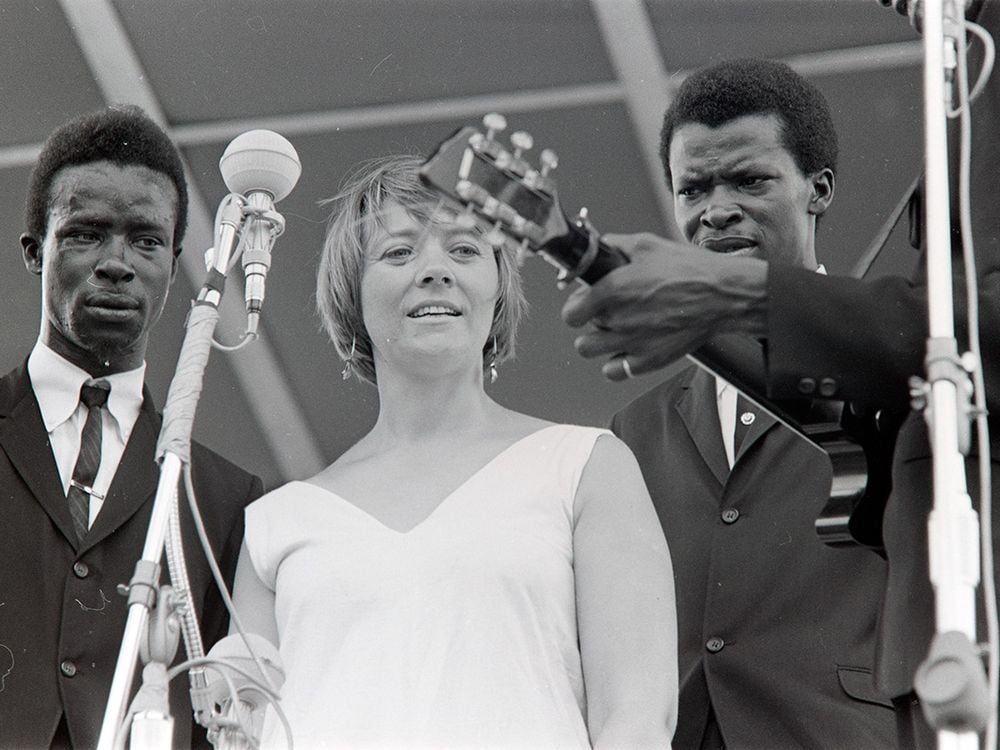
(262, 225)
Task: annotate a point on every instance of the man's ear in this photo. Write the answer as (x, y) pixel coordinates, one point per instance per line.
(174, 266)
(823, 183)
(31, 249)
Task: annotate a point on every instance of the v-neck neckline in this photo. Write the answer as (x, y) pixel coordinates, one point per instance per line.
(444, 500)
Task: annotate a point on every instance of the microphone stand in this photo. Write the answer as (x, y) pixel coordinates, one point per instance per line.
(951, 682)
(173, 451)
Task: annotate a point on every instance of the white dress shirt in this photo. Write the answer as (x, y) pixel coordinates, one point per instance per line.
(726, 396)
(56, 383)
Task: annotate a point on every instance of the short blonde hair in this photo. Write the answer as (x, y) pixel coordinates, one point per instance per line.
(356, 213)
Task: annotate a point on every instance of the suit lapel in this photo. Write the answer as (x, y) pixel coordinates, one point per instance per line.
(135, 480)
(698, 408)
(26, 443)
(761, 425)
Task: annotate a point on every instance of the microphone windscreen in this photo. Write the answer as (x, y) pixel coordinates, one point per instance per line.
(260, 160)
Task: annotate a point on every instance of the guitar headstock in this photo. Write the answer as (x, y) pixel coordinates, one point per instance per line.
(499, 187)
(497, 184)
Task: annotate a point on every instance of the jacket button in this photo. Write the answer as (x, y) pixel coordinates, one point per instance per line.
(80, 569)
(807, 386)
(67, 667)
(827, 387)
(715, 645)
(730, 515)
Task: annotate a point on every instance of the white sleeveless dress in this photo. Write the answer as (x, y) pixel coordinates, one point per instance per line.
(460, 633)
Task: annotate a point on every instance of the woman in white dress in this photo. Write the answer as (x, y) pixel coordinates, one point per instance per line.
(464, 576)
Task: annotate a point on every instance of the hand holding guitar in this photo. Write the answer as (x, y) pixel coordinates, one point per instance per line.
(665, 304)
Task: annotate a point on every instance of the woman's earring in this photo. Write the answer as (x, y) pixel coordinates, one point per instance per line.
(349, 362)
(493, 363)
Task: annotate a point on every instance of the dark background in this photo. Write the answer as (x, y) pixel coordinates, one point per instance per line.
(345, 80)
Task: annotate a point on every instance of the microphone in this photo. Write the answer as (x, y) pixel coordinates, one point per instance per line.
(246, 708)
(263, 167)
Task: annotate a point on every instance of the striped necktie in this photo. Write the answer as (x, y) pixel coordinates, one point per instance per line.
(94, 395)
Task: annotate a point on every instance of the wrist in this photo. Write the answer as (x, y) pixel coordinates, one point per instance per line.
(743, 284)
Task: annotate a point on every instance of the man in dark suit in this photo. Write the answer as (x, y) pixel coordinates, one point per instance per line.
(775, 630)
(829, 338)
(106, 213)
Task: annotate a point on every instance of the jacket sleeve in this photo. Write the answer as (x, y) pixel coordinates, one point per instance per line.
(861, 340)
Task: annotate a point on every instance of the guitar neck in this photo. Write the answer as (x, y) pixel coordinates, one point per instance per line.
(739, 360)
(570, 251)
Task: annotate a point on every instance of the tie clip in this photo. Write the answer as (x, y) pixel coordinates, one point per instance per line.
(88, 490)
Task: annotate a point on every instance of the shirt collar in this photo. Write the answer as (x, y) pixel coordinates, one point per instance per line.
(720, 387)
(56, 382)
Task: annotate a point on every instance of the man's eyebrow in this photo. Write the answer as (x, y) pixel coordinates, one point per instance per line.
(82, 218)
(148, 226)
(100, 221)
(743, 165)
(689, 172)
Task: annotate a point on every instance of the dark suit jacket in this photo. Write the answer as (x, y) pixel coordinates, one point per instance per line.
(776, 630)
(61, 619)
(865, 339)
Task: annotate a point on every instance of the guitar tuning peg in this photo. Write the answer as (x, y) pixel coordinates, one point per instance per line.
(466, 218)
(521, 141)
(522, 252)
(495, 236)
(548, 160)
(495, 123)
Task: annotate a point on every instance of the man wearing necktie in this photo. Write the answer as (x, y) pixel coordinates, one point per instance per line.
(106, 213)
(775, 630)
